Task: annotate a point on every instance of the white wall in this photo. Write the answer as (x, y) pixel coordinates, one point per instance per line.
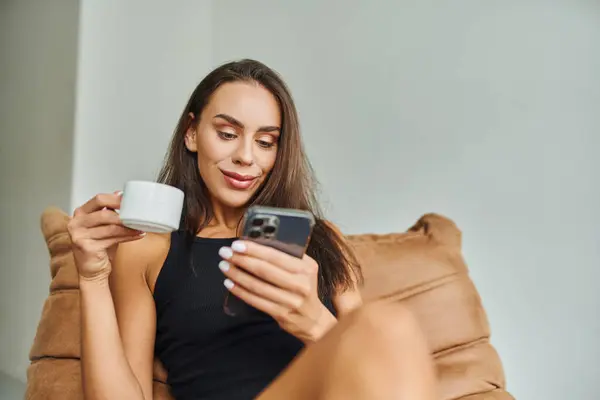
(134, 65)
(487, 112)
(38, 43)
(139, 61)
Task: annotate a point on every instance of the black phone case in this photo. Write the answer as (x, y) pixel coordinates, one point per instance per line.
(286, 230)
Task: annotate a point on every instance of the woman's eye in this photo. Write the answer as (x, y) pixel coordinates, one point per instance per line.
(226, 135)
(265, 144)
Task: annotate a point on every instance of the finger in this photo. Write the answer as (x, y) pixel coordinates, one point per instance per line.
(259, 287)
(98, 202)
(269, 254)
(273, 274)
(107, 243)
(98, 218)
(111, 231)
(267, 306)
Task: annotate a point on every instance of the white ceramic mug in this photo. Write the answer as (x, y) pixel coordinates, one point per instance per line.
(151, 207)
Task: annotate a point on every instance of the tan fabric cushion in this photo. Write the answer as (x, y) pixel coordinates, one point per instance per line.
(54, 379)
(422, 268)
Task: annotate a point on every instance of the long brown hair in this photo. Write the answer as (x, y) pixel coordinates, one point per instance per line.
(291, 183)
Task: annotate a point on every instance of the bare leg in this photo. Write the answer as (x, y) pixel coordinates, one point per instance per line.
(378, 352)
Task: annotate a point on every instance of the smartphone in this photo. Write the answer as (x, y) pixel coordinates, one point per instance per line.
(284, 229)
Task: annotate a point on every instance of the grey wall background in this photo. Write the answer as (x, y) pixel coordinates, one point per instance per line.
(138, 63)
(85, 86)
(485, 112)
(38, 54)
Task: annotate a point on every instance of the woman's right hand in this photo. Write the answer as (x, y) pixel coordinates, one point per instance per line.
(96, 231)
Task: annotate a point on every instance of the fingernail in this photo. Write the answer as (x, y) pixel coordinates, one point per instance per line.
(225, 252)
(142, 233)
(119, 193)
(238, 246)
(224, 266)
(228, 284)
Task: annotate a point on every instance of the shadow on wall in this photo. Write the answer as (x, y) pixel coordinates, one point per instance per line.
(11, 388)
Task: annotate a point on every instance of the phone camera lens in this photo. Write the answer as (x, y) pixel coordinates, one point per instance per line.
(254, 234)
(257, 222)
(269, 229)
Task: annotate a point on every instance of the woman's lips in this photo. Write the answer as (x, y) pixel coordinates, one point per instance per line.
(238, 181)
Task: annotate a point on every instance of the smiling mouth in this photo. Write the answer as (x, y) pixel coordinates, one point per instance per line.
(237, 181)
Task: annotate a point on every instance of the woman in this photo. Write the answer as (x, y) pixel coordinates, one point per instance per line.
(237, 143)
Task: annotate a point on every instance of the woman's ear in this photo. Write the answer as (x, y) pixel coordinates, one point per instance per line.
(190, 135)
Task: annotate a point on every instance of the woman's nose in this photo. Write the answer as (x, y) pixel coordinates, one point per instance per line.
(244, 154)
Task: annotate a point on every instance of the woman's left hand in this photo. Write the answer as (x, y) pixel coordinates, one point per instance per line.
(283, 286)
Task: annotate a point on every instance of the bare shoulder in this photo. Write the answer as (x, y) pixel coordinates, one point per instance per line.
(143, 257)
(145, 250)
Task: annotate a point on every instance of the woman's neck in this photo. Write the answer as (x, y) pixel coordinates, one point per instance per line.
(224, 223)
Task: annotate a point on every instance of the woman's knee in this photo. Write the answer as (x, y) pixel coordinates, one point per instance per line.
(384, 323)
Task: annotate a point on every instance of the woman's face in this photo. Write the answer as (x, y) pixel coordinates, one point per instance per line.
(236, 141)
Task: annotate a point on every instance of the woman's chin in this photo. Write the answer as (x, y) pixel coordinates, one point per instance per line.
(237, 199)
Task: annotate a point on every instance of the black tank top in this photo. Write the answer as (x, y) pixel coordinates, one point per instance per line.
(208, 354)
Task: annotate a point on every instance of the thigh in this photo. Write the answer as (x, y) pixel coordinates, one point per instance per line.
(376, 352)
(304, 377)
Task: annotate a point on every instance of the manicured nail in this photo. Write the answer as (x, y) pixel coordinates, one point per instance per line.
(238, 246)
(228, 284)
(224, 266)
(225, 252)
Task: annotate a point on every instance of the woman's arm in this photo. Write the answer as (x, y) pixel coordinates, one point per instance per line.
(118, 326)
(347, 301)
